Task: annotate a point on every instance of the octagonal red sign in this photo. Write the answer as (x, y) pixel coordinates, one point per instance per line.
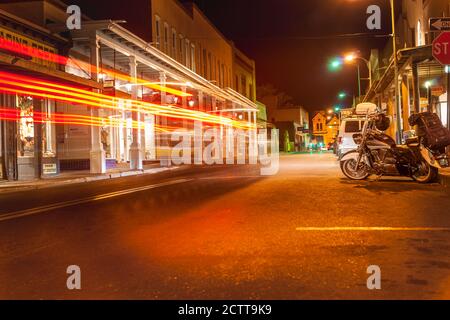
(441, 48)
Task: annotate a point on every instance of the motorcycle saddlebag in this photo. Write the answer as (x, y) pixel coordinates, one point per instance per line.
(429, 127)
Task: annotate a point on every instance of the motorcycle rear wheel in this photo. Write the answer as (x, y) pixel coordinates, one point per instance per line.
(425, 173)
(348, 168)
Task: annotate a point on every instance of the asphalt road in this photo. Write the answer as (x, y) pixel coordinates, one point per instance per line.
(228, 233)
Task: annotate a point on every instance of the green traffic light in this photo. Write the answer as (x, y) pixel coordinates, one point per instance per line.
(335, 64)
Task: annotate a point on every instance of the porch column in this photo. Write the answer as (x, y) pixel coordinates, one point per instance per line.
(252, 146)
(135, 148)
(416, 88)
(184, 105)
(97, 154)
(165, 150)
(201, 105)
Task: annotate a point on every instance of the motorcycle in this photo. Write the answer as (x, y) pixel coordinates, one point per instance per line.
(378, 154)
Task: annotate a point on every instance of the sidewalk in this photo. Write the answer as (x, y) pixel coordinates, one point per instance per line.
(73, 177)
(444, 177)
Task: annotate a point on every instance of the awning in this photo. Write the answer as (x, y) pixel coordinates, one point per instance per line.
(20, 65)
(115, 36)
(404, 57)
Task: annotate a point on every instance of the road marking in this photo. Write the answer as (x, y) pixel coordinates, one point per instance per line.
(59, 205)
(373, 229)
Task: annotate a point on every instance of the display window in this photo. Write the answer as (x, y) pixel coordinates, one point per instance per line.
(25, 127)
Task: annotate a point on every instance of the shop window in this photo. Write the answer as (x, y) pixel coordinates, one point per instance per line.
(25, 126)
(48, 130)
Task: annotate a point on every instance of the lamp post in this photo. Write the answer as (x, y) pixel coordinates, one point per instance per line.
(397, 84)
(352, 57)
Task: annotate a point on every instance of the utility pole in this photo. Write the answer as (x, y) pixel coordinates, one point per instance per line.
(397, 88)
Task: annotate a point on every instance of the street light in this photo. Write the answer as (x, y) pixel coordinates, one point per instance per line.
(342, 95)
(335, 64)
(350, 58)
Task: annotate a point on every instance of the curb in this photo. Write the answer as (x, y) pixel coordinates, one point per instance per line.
(110, 176)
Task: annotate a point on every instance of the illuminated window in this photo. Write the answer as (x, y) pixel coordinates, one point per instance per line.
(419, 40)
(25, 127)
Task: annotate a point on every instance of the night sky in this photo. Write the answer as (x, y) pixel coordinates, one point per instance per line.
(293, 40)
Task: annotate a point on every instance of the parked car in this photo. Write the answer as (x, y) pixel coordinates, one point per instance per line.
(348, 128)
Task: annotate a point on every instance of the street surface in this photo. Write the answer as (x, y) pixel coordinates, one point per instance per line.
(228, 233)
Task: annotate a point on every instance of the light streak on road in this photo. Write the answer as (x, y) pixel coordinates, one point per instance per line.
(372, 229)
(27, 51)
(59, 205)
(15, 84)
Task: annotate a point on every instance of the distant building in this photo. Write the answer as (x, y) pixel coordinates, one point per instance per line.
(244, 74)
(324, 128)
(293, 124)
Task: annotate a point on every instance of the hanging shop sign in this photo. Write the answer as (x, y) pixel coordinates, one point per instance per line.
(9, 37)
(437, 91)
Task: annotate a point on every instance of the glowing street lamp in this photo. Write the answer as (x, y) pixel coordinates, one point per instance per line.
(342, 95)
(335, 64)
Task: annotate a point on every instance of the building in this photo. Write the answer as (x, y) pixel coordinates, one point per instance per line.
(181, 30)
(293, 124)
(244, 74)
(422, 80)
(106, 61)
(28, 148)
(262, 115)
(325, 128)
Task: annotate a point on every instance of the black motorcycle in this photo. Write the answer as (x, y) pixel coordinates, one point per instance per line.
(378, 154)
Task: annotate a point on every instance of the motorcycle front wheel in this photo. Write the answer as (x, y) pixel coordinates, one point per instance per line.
(349, 169)
(425, 173)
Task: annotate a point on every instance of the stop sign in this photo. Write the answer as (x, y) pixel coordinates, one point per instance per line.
(441, 48)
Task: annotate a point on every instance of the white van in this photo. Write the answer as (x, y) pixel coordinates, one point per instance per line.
(348, 128)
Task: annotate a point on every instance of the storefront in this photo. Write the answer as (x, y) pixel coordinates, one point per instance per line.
(423, 87)
(28, 133)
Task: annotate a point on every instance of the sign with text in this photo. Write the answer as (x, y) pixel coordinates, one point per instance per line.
(441, 48)
(439, 24)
